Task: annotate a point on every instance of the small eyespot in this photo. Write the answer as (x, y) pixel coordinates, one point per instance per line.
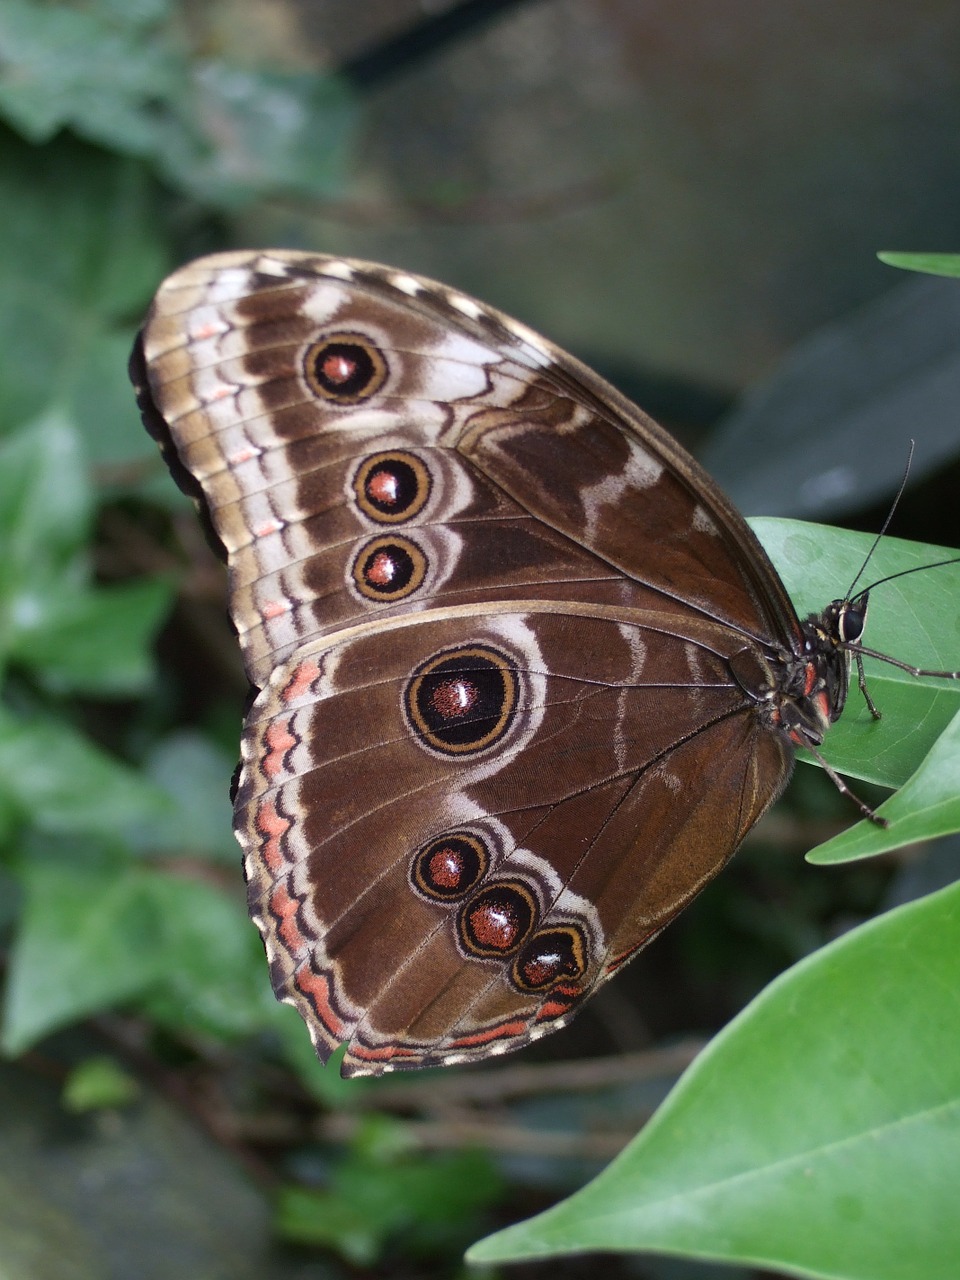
(448, 868)
(389, 568)
(497, 919)
(550, 956)
(392, 487)
(345, 368)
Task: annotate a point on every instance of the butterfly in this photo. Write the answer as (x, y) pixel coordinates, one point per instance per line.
(524, 677)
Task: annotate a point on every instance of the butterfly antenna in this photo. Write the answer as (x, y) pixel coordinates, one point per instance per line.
(885, 526)
(917, 568)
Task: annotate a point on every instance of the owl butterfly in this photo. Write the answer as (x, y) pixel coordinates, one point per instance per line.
(526, 678)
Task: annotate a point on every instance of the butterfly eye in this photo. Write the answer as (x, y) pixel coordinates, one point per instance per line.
(345, 368)
(851, 623)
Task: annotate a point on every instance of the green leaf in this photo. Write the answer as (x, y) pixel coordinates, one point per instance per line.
(96, 641)
(74, 637)
(935, 264)
(384, 1196)
(88, 939)
(827, 431)
(98, 1083)
(81, 259)
(214, 978)
(287, 132)
(97, 931)
(196, 775)
(818, 1134)
(926, 806)
(912, 619)
(318, 1218)
(221, 131)
(45, 509)
(61, 783)
(66, 65)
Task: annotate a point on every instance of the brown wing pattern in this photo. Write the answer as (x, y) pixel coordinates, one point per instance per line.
(492, 611)
(502, 429)
(359, 827)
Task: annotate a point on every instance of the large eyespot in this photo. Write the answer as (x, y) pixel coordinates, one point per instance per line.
(389, 568)
(345, 368)
(549, 956)
(447, 868)
(462, 700)
(392, 487)
(497, 919)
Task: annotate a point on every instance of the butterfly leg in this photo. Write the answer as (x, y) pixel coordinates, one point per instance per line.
(862, 682)
(870, 814)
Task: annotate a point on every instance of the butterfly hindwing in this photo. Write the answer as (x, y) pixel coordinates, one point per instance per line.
(432, 807)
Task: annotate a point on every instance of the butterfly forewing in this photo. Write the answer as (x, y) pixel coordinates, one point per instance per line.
(517, 653)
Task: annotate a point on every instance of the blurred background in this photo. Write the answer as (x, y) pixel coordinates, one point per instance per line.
(690, 197)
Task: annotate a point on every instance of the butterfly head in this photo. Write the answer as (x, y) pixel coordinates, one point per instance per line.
(842, 623)
(815, 692)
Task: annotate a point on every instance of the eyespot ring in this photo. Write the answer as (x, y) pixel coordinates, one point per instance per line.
(344, 368)
(389, 568)
(448, 867)
(392, 486)
(497, 919)
(461, 701)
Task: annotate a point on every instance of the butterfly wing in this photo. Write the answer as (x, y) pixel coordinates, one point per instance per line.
(519, 469)
(457, 825)
(430, 513)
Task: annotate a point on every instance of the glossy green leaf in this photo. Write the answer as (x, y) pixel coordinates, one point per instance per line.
(934, 264)
(817, 1135)
(914, 619)
(926, 806)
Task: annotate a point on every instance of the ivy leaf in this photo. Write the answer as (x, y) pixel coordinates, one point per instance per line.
(59, 782)
(89, 939)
